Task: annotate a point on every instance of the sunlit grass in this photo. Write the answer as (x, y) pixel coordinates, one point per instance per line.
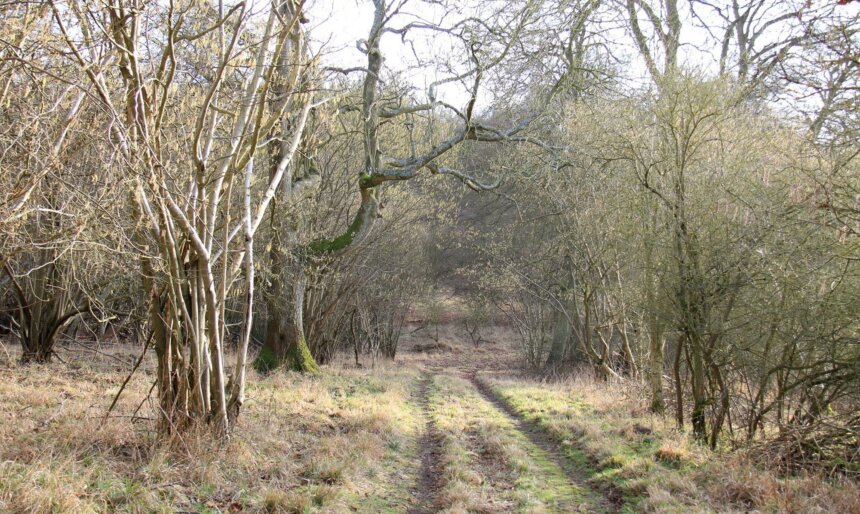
(656, 467)
(347, 440)
(492, 466)
(341, 441)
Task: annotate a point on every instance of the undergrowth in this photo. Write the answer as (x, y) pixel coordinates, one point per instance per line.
(655, 466)
(337, 442)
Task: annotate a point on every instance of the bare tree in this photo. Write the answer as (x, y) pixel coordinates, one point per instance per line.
(487, 43)
(184, 206)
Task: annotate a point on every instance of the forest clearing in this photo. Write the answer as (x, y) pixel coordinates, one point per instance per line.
(450, 430)
(417, 256)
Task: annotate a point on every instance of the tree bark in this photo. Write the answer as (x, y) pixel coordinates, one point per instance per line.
(655, 369)
(676, 377)
(285, 345)
(560, 341)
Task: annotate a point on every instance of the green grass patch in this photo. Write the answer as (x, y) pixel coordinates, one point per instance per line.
(490, 464)
(614, 448)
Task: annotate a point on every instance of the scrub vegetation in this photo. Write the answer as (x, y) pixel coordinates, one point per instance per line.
(429, 256)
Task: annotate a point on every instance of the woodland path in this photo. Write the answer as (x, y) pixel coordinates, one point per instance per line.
(537, 444)
(430, 475)
(611, 501)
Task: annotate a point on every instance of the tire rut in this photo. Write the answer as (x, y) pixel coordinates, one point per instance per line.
(611, 498)
(430, 479)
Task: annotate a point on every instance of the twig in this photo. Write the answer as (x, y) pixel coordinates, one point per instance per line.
(6, 351)
(125, 382)
(144, 398)
(94, 350)
(57, 355)
(133, 418)
(44, 424)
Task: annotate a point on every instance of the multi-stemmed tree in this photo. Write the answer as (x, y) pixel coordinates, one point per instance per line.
(189, 94)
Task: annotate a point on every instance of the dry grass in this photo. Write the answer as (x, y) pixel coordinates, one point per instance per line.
(474, 481)
(658, 468)
(737, 482)
(339, 442)
(489, 465)
(347, 441)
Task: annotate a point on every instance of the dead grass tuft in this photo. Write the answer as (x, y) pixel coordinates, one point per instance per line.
(738, 483)
(672, 454)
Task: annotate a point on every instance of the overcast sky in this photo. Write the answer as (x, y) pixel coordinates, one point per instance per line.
(336, 25)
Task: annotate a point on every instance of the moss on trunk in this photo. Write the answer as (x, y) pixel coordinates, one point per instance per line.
(285, 350)
(366, 213)
(299, 358)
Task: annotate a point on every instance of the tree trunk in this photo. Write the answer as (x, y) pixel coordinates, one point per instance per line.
(693, 309)
(45, 307)
(676, 377)
(656, 339)
(724, 406)
(285, 345)
(560, 341)
(655, 369)
(39, 353)
(697, 376)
